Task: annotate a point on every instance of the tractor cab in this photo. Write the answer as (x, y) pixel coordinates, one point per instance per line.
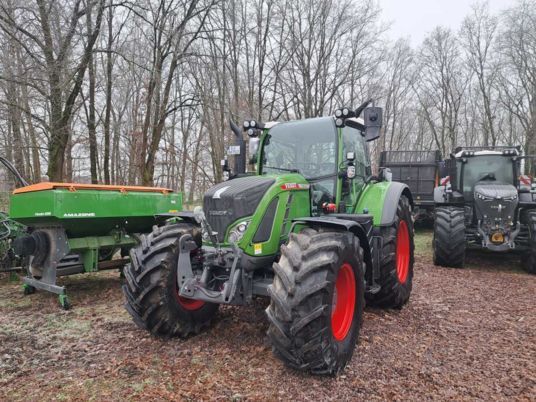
(478, 170)
(311, 149)
(330, 153)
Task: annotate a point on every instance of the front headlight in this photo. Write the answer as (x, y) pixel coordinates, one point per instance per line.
(483, 197)
(237, 232)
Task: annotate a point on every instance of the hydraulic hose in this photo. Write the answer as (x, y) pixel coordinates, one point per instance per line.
(14, 171)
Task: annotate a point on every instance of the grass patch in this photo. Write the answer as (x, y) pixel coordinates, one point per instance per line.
(69, 327)
(24, 302)
(423, 242)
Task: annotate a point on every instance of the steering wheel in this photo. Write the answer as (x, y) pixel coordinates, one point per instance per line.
(488, 176)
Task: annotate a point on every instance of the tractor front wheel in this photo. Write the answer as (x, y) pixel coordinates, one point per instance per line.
(449, 237)
(396, 264)
(317, 300)
(151, 289)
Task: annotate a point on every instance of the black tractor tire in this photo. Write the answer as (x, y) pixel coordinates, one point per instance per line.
(314, 265)
(449, 237)
(397, 258)
(529, 258)
(151, 285)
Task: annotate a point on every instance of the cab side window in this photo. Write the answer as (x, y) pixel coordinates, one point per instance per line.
(353, 141)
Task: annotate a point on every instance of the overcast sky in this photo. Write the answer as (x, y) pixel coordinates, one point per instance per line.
(416, 18)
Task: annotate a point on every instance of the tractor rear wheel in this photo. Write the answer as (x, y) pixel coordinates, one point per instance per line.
(396, 264)
(529, 259)
(449, 237)
(151, 288)
(317, 300)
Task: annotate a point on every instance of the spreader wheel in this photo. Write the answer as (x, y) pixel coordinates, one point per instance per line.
(396, 265)
(317, 300)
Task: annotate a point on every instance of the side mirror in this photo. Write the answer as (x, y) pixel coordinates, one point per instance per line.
(373, 117)
(385, 174)
(253, 148)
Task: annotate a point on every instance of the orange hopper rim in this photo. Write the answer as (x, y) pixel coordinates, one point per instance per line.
(99, 187)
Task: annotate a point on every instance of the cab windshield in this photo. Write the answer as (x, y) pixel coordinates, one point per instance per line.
(308, 147)
(482, 168)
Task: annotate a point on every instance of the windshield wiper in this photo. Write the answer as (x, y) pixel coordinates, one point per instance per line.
(283, 169)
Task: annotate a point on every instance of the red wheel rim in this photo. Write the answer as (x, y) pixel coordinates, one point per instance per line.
(402, 252)
(343, 304)
(188, 304)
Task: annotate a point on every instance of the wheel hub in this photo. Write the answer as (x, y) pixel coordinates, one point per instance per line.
(343, 302)
(402, 252)
(188, 304)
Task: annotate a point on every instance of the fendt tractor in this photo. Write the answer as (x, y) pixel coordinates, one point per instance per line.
(485, 202)
(312, 229)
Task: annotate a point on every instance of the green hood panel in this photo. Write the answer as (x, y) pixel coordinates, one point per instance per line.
(291, 194)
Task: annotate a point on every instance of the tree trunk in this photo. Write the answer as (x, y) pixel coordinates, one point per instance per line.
(91, 125)
(107, 115)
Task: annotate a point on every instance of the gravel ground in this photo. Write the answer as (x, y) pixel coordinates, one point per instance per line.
(465, 335)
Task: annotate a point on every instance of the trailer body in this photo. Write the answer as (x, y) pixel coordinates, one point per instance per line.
(420, 171)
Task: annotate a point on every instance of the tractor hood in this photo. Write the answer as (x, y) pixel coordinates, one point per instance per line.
(234, 199)
(496, 191)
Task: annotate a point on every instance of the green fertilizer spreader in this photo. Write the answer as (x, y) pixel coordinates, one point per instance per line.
(76, 228)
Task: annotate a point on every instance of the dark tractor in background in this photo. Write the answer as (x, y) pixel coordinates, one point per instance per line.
(486, 203)
(420, 171)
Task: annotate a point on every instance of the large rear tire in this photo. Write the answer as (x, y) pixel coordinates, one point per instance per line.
(317, 300)
(529, 259)
(151, 285)
(397, 257)
(449, 237)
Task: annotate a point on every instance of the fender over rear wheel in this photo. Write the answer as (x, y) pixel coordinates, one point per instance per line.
(317, 300)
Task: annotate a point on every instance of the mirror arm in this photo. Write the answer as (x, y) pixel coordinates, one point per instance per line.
(362, 107)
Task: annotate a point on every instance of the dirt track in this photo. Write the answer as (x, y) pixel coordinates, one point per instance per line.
(466, 334)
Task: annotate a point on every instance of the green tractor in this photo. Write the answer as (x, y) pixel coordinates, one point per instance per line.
(312, 229)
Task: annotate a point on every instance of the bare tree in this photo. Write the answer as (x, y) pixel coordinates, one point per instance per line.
(518, 75)
(440, 87)
(51, 50)
(478, 33)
